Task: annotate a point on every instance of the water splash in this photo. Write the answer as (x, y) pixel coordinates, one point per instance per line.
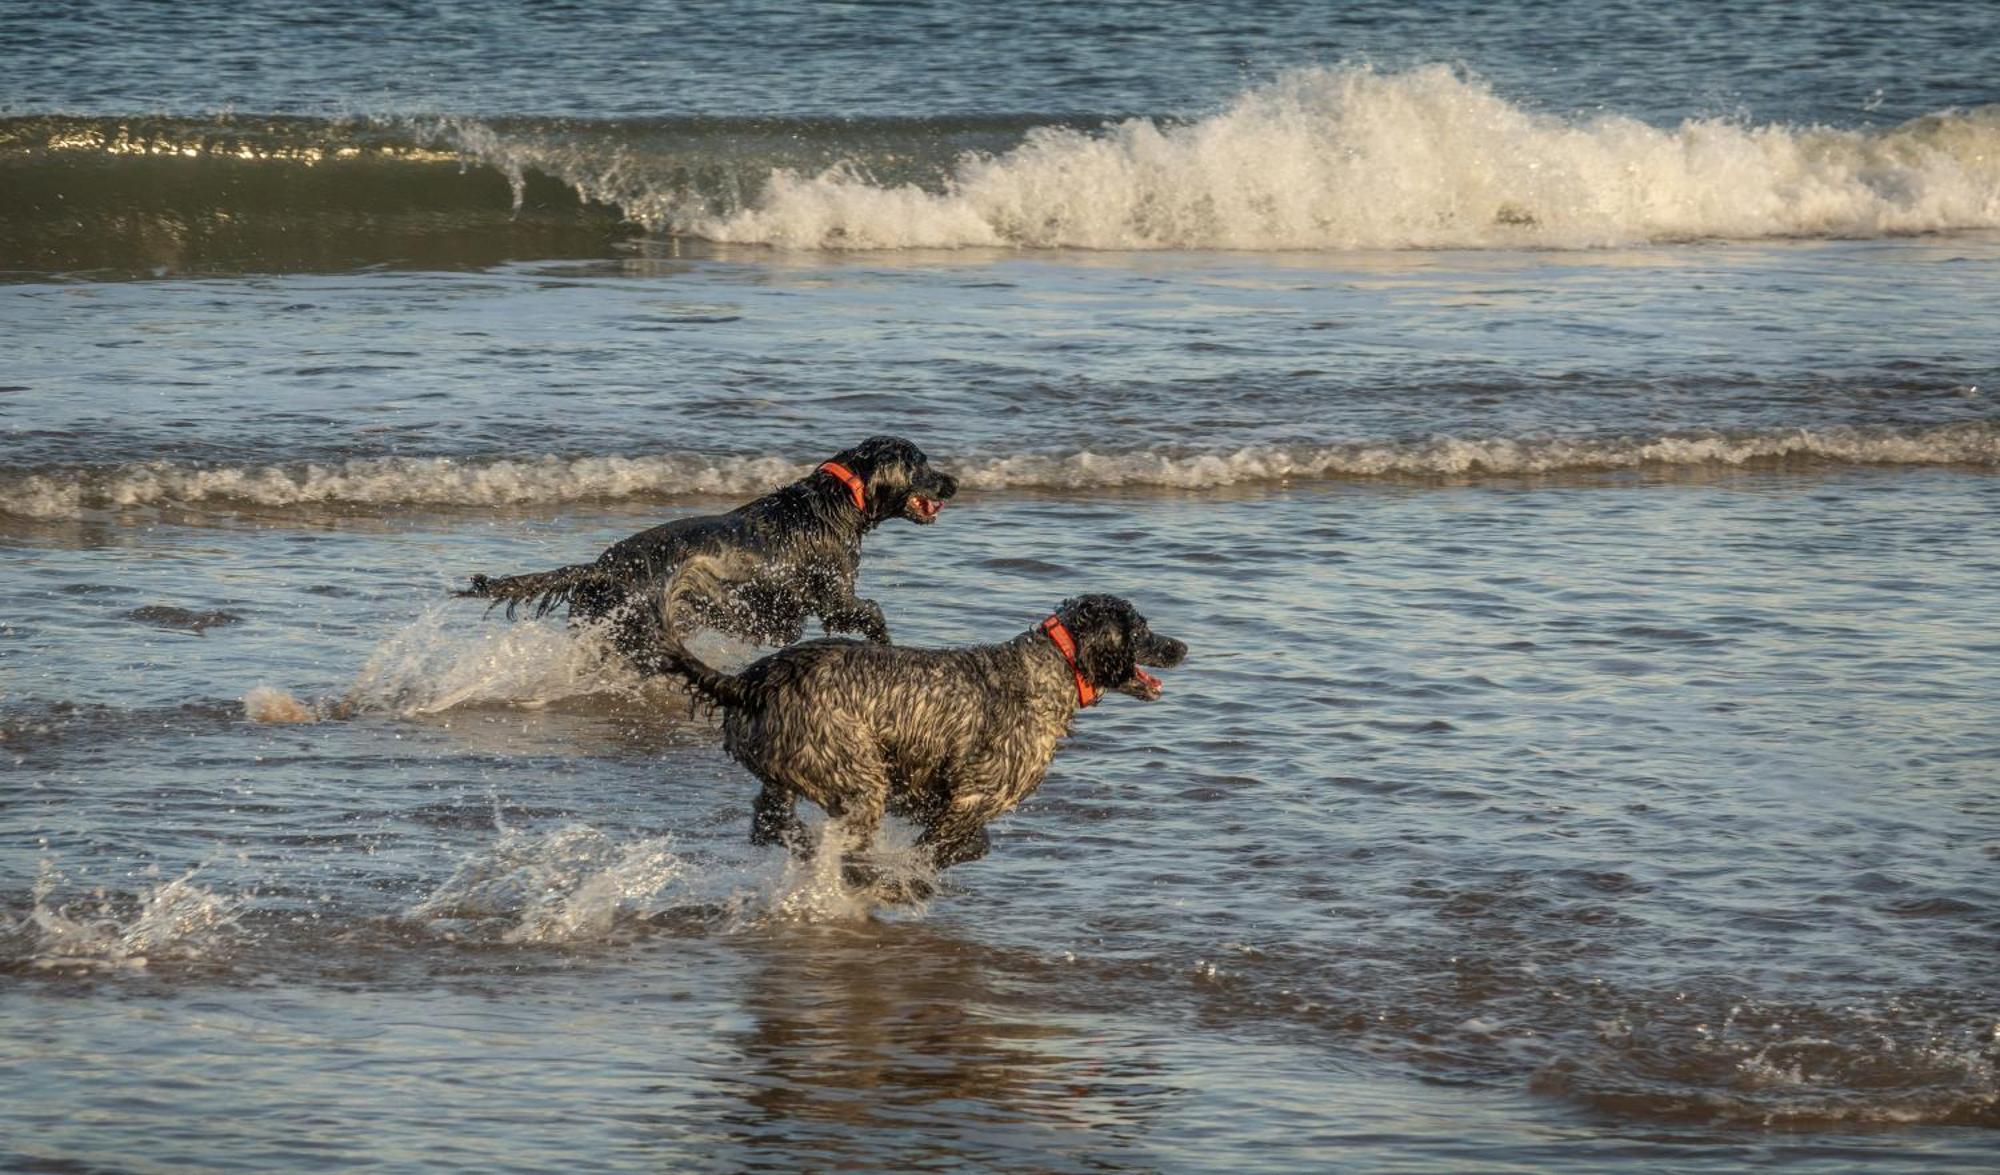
(269, 703)
(819, 889)
(434, 664)
(578, 884)
(571, 884)
(175, 920)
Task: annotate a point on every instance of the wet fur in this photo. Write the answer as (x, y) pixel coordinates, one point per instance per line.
(948, 738)
(757, 572)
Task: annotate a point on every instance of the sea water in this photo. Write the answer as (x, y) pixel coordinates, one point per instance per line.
(1564, 436)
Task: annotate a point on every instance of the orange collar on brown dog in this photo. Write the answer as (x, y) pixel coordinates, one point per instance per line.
(836, 470)
(1066, 645)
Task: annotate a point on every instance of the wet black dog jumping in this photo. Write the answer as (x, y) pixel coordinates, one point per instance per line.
(756, 572)
(948, 738)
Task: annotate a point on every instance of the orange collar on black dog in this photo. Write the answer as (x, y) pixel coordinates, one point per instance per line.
(835, 469)
(1066, 645)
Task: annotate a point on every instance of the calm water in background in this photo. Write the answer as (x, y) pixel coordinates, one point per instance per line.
(1564, 436)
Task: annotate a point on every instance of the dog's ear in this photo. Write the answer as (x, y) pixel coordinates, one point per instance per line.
(884, 465)
(1101, 625)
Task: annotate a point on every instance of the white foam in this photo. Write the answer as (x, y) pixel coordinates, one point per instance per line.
(172, 920)
(577, 883)
(365, 481)
(1348, 158)
(565, 885)
(1971, 443)
(441, 482)
(816, 889)
(447, 658)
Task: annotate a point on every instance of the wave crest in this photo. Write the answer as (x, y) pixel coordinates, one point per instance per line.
(374, 482)
(1318, 159)
(1353, 158)
(383, 481)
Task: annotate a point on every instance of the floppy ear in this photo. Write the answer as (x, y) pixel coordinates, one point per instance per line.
(882, 465)
(1102, 628)
(889, 479)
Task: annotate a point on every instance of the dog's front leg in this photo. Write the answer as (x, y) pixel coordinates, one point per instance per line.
(860, 817)
(957, 834)
(957, 846)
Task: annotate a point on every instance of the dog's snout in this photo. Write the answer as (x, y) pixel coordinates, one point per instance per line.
(947, 484)
(1164, 652)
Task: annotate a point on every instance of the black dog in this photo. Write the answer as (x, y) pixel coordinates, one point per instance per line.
(949, 738)
(756, 572)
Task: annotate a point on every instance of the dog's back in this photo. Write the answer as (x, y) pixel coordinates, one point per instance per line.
(827, 718)
(904, 700)
(771, 563)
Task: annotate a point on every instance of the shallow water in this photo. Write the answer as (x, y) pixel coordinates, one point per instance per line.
(1483, 804)
(1586, 756)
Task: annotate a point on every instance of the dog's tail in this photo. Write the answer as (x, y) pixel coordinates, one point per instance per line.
(706, 680)
(692, 581)
(548, 590)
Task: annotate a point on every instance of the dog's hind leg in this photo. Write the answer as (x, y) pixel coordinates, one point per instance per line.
(597, 599)
(774, 820)
(636, 631)
(859, 809)
(850, 613)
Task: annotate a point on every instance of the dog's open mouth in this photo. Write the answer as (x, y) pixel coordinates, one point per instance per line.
(922, 509)
(1143, 685)
(1160, 652)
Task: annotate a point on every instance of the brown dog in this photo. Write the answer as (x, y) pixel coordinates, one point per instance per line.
(756, 572)
(949, 738)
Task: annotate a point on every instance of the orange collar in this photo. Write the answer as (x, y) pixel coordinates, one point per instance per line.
(841, 472)
(1066, 645)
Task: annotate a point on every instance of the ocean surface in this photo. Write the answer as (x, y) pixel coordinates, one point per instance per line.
(1565, 435)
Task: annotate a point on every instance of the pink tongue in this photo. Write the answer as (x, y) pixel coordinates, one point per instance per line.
(1146, 677)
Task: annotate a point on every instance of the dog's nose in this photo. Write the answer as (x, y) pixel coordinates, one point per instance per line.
(947, 485)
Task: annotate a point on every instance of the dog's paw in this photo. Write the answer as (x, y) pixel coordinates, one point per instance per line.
(867, 879)
(902, 891)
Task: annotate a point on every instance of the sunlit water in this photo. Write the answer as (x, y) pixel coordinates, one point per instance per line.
(1586, 758)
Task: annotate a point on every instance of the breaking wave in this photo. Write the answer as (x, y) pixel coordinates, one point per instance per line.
(376, 482)
(1358, 159)
(1318, 159)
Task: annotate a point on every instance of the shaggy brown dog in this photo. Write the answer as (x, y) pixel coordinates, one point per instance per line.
(949, 738)
(763, 567)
